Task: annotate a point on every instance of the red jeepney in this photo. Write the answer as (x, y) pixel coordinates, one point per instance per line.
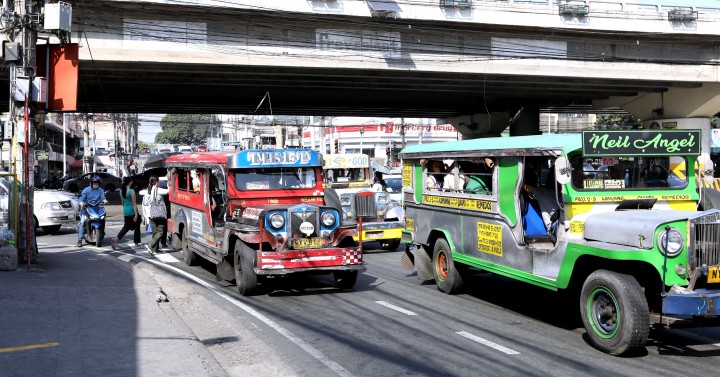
(260, 213)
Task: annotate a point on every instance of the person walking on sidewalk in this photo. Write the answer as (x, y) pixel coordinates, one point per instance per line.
(158, 223)
(130, 212)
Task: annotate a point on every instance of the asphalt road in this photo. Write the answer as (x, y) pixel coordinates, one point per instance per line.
(391, 324)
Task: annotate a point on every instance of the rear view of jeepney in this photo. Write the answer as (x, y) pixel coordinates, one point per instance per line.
(281, 223)
(635, 231)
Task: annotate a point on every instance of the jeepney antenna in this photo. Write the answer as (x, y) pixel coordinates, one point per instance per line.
(267, 95)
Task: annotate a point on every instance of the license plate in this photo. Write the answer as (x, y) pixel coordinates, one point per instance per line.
(307, 243)
(374, 234)
(71, 216)
(714, 274)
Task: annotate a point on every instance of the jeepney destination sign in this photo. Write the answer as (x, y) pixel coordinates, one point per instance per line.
(641, 142)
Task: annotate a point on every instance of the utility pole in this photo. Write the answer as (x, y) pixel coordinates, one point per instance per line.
(86, 143)
(402, 131)
(20, 22)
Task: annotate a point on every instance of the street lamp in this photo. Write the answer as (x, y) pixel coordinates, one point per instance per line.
(362, 132)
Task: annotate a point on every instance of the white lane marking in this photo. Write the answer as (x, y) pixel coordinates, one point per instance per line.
(167, 258)
(487, 343)
(393, 307)
(335, 367)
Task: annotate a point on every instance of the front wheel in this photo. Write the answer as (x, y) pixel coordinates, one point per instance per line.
(189, 256)
(615, 312)
(50, 229)
(447, 277)
(345, 279)
(245, 277)
(90, 235)
(99, 235)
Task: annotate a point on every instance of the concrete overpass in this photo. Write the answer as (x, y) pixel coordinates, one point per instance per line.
(475, 66)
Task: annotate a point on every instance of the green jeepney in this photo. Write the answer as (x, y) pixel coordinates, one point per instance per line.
(609, 216)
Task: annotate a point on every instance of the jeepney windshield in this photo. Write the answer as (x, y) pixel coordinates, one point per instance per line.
(345, 175)
(627, 173)
(274, 178)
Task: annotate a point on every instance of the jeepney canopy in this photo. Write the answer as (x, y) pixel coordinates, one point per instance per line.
(275, 158)
(533, 145)
(345, 161)
(197, 159)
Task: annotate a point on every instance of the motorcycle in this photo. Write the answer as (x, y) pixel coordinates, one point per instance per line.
(94, 222)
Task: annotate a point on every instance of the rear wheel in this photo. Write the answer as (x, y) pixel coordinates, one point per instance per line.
(447, 277)
(345, 279)
(615, 312)
(189, 256)
(50, 229)
(245, 277)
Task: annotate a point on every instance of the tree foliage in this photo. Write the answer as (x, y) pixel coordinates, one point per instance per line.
(617, 122)
(186, 129)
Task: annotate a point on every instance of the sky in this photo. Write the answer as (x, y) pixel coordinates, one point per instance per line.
(149, 127)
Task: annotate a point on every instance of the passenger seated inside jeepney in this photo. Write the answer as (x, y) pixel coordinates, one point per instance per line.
(478, 175)
(436, 173)
(656, 175)
(533, 221)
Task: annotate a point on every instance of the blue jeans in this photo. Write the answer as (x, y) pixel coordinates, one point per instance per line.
(81, 226)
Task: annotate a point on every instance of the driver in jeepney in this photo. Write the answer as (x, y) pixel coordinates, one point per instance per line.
(91, 194)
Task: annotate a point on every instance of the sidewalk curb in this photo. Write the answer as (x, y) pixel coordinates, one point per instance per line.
(211, 364)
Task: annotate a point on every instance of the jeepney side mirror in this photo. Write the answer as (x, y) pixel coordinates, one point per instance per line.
(562, 170)
(709, 170)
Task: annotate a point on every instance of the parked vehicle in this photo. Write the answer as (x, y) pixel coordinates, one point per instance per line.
(52, 209)
(630, 252)
(94, 223)
(110, 182)
(258, 214)
(382, 218)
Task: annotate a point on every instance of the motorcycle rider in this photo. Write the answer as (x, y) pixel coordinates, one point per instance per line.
(92, 193)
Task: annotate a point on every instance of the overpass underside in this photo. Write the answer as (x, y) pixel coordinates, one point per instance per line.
(154, 58)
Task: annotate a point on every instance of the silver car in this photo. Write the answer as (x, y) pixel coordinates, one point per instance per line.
(52, 209)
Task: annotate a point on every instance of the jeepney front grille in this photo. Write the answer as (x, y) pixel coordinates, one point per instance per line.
(297, 218)
(704, 241)
(365, 206)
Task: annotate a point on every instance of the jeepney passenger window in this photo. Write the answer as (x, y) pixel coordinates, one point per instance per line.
(436, 173)
(182, 181)
(477, 175)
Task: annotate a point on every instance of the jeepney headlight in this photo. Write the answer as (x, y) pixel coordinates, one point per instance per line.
(671, 242)
(328, 218)
(277, 220)
(383, 199)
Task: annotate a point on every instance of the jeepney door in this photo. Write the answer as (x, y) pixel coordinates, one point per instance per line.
(218, 192)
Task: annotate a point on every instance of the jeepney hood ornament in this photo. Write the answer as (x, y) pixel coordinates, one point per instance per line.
(635, 228)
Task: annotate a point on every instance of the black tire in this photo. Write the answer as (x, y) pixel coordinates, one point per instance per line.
(90, 235)
(245, 277)
(189, 256)
(345, 279)
(447, 277)
(99, 235)
(50, 229)
(389, 245)
(615, 312)
(710, 199)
